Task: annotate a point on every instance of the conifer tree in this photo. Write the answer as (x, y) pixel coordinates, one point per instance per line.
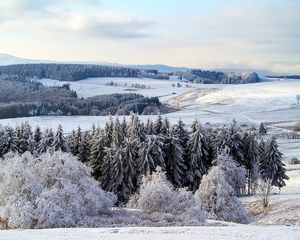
(84, 147)
(8, 141)
(150, 155)
(271, 167)
(158, 125)
(165, 127)
(231, 139)
(37, 136)
(117, 134)
(262, 130)
(149, 127)
(59, 142)
(198, 157)
(174, 158)
(135, 130)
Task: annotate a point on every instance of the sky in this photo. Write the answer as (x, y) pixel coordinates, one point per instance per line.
(253, 34)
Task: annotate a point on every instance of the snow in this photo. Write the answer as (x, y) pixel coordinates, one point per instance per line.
(163, 233)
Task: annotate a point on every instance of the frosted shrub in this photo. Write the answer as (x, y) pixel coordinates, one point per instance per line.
(157, 195)
(54, 190)
(218, 199)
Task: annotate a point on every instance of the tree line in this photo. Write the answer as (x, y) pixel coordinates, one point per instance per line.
(122, 152)
(20, 98)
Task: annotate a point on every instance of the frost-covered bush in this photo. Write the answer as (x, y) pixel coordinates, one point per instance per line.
(53, 190)
(218, 198)
(157, 195)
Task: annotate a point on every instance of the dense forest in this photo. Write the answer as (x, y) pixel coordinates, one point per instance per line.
(121, 153)
(20, 98)
(216, 77)
(75, 72)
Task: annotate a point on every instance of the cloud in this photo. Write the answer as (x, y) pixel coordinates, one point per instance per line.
(41, 16)
(105, 24)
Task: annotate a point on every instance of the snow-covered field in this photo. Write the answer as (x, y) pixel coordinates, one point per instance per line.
(272, 101)
(237, 232)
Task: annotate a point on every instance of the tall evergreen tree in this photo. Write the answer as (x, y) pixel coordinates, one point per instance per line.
(231, 139)
(135, 130)
(117, 134)
(198, 157)
(174, 158)
(150, 155)
(262, 130)
(37, 135)
(59, 142)
(84, 147)
(158, 125)
(8, 141)
(271, 167)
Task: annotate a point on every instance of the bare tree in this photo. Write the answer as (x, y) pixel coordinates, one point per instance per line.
(263, 192)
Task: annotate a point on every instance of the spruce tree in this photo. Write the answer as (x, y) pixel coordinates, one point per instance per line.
(117, 134)
(135, 129)
(158, 125)
(231, 139)
(149, 127)
(59, 142)
(198, 157)
(84, 147)
(271, 167)
(174, 158)
(165, 127)
(150, 155)
(8, 141)
(262, 130)
(37, 136)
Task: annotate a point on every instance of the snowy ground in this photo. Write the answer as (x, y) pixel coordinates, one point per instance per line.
(272, 101)
(164, 233)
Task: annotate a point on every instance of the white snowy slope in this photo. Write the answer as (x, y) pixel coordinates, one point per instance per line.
(163, 233)
(272, 101)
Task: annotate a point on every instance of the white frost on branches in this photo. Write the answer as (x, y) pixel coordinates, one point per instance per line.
(53, 190)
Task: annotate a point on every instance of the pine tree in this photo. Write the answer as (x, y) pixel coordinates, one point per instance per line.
(262, 130)
(135, 130)
(24, 133)
(231, 139)
(84, 147)
(272, 167)
(150, 155)
(198, 157)
(74, 141)
(149, 127)
(8, 141)
(165, 127)
(98, 144)
(174, 158)
(37, 136)
(157, 125)
(117, 134)
(251, 156)
(46, 141)
(194, 125)
(59, 142)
